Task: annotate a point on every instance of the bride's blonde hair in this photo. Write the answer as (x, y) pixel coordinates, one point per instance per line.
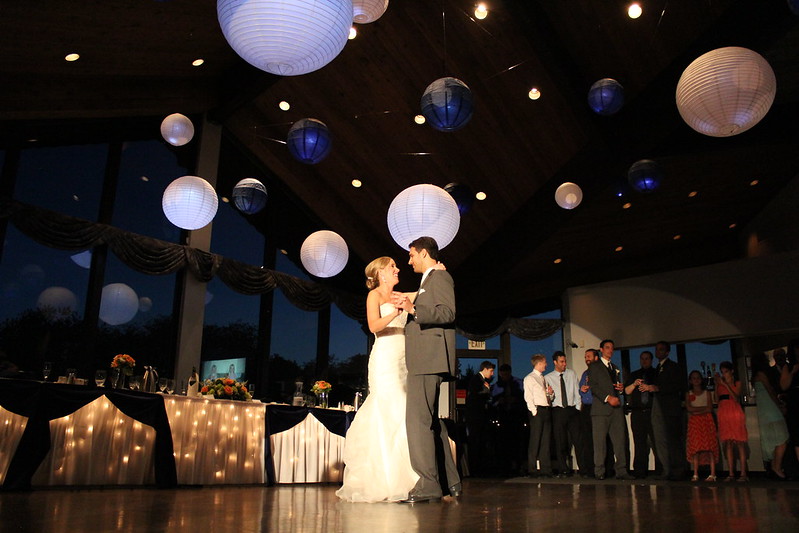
(371, 271)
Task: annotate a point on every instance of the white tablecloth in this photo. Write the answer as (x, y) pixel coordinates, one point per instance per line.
(308, 453)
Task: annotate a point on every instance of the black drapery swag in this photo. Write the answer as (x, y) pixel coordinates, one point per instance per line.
(42, 402)
(156, 257)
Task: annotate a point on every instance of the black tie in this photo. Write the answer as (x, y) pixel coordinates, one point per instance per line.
(564, 401)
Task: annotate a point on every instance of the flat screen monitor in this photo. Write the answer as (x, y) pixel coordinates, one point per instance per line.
(224, 368)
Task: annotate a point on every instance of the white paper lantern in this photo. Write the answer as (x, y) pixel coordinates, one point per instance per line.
(324, 253)
(569, 195)
(177, 129)
(423, 211)
(190, 202)
(366, 11)
(286, 37)
(82, 259)
(57, 303)
(726, 91)
(145, 304)
(118, 304)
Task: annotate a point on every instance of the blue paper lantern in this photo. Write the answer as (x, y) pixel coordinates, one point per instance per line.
(309, 141)
(447, 104)
(462, 195)
(644, 176)
(793, 5)
(606, 97)
(249, 196)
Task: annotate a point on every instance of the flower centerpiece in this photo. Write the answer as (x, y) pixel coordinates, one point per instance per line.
(226, 389)
(321, 388)
(124, 363)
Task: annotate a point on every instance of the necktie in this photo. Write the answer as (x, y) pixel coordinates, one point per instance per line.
(564, 398)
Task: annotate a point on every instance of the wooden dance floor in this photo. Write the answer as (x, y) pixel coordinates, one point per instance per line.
(513, 505)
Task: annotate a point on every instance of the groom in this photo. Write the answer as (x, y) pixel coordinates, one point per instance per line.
(430, 357)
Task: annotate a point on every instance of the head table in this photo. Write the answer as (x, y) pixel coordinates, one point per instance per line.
(59, 434)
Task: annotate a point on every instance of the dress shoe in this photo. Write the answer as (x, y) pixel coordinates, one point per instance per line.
(600, 477)
(420, 498)
(456, 490)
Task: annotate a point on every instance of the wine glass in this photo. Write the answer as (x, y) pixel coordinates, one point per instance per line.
(162, 384)
(170, 386)
(99, 378)
(134, 383)
(47, 369)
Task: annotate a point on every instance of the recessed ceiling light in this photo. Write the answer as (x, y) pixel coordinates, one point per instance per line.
(197, 62)
(283, 251)
(72, 57)
(628, 205)
(677, 237)
(558, 261)
(353, 33)
(619, 248)
(356, 183)
(33, 140)
(732, 226)
(283, 105)
(225, 199)
(481, 12)
(480, 195)
(145, 178)
(634, 10)
(692, 194)
(753, 183)
(75, 197)
(534, 94)
(419, 119)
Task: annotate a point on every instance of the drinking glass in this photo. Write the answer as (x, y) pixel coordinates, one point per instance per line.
(162, 384)
(47, 369)
(99, 378)
(134, 382)
(251, 389)
(170, 386)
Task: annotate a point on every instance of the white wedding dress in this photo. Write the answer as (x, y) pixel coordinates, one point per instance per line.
(377, 463)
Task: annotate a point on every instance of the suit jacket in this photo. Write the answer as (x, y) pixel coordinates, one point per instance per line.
(601, 387)
(430, 337)
(477, 396)
(671, 387)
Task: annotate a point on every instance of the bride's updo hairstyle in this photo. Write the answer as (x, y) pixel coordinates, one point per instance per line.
(372, 269)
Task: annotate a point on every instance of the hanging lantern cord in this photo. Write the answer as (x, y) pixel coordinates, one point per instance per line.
(444, 29)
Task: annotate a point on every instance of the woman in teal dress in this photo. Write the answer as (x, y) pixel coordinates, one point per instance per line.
(773, 429)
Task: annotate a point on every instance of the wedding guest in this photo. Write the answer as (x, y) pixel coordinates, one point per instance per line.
(732, 420)
(565, 412)
(478, 394)
(508, 402)
(586, 451)
(702, 443)
(640, 405)
(789, 383)
(538, 397)
(773, 430)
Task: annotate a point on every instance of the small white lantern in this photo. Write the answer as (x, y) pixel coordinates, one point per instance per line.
(145, 304)
(190, 202)
(569, 195)
(82, 259)
(423, 211)
(366, 11)
(286, 37)
(726, 91)
(324, 253)
(118, 304)
(177, 129)
(57, 303)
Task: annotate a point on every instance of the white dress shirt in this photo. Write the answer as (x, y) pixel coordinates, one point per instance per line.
(535, 391)
(572, 388)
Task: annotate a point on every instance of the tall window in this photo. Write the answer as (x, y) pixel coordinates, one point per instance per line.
(522, 351)
(348, 357)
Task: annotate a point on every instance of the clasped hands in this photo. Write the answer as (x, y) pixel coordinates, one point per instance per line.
(401, 301)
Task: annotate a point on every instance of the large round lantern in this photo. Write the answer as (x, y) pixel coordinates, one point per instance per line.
(190, 202)
(447, 104)
(286, 37)
(568, 195)
(309, 141)
(118, 304)
(249, 196)
(324, 253)
(644, 176)
(366, 11)
(57, 303)
(177, 129)
(606, 96)
(82, 259)
(423, 211)
(145, 304)
(726, 91)
(462, 195)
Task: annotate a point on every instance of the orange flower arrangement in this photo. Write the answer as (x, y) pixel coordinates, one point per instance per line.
(226, 389)
(124, 363)
(321, 386)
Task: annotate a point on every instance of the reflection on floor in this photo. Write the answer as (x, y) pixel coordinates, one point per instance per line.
(515, 505)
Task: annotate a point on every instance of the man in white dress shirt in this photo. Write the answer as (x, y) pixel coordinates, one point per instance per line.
(565, 412)
(538, 398)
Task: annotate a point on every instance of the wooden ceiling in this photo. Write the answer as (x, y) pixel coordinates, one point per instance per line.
(136, 62)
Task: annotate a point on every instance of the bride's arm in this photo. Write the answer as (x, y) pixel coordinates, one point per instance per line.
(411, 295)
(373, 318)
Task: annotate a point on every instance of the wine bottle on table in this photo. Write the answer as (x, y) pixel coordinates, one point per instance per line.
(194, 384)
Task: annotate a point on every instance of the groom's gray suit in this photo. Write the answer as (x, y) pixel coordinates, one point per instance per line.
(430, 357)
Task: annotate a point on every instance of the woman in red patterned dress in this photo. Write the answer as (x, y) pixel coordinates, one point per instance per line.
(732, 420)
(703, 442)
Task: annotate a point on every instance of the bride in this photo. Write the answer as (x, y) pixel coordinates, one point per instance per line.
(378, 467)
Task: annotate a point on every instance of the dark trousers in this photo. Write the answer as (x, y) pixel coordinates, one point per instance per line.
(566, 428)
(539, 448)
(669, 441)
(585, 450)
(643, 440)
(615, 426)
(476, 423)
